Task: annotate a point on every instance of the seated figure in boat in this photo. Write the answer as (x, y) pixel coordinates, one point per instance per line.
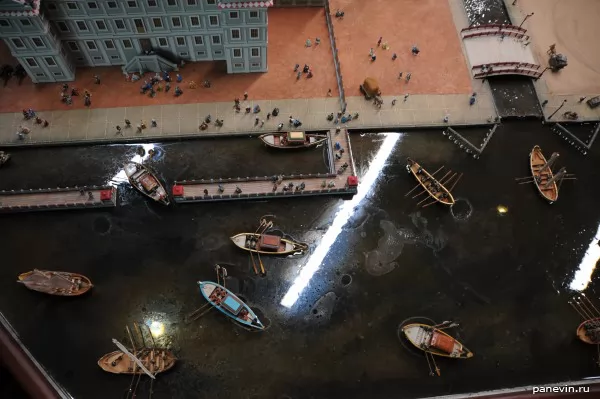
(251, 243)
(244, 315)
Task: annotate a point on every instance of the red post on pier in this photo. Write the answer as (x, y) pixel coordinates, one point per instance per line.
(177, 191)
(352, 181)
(106, 195)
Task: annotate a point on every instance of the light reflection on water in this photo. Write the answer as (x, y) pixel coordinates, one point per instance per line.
(341, 218)
(121, 177)
(583, 275)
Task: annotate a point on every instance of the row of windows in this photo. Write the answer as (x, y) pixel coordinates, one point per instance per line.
(93, 5)
(33, 63)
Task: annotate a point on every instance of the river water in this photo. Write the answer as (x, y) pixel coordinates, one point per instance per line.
(505, 278)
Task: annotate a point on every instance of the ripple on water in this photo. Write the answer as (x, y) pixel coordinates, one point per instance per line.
(380, 261)
(322, 310)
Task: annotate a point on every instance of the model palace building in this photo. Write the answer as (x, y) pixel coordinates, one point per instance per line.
(50, 38)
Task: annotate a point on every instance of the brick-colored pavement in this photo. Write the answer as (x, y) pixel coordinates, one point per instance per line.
(440, 67)
(288, 31)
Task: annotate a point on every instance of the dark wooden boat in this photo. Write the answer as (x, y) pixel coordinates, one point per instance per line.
(266, 244)
(229, 304)
(56, 283)
(146, 182)
(290, 140)
(589, 331)
(433, 187)
(435, 341)
(155, 360)
(542, 177)
(4, 157)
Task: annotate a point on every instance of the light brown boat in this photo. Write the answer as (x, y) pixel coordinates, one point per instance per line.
(589, 331)
(56, 283)
(433, 187)
(542, 177)
(267, 244)
(155, 360)
(435, 341)
(292, 140)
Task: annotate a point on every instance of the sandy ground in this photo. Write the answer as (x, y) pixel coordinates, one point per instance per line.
(440, 67)
(288, 31)
(573, 26)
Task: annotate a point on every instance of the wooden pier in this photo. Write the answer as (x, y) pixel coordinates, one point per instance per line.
(45, 199)
(339, 180)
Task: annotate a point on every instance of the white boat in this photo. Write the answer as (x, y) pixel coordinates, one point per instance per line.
(146, 182)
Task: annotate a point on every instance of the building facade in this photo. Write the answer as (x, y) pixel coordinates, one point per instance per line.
(51, 38)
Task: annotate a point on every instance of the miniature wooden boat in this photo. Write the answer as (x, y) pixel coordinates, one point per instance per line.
(146, 182)
(435, 341)
(56, 283)
(155, 360)
(4, 157)
(433, 187)
(293, 139)
(267, 244)
(229, 304)
(589, 331)
(542, 177)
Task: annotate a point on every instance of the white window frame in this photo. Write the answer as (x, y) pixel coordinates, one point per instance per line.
(41, 40)
(177, 41)
(124, 25)
(238, 65)
(19, 41)
(103, 22)
(133, 1)
(109, 41)
(250, 15)
(210, 20)
(150, 5)
(82, 30)
(219, 41)
(58, 23)
(91, 2)
(173, 19)
(192, 23)
(237, 15)
(234, 51)
(239, 31)
(35, 63)
(154, 19)
(201, 41)
(162, 45)
(72, 4)
(257, 51)
(127, 41)
(257, 33)
(87, 44)
(47, 63)
(144, 30)
(76, 50)
(109, 3)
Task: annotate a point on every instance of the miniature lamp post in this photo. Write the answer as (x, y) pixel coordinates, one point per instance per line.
(526, 16)
(545, 69)
(558, 109)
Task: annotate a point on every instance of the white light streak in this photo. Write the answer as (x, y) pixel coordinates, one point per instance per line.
(341, 218)
(121, 177)
(583, 275)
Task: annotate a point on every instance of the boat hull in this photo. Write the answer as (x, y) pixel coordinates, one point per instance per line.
(583, 336)
(275, 140)
(56, 283)
(540, 178)
(119, 363)
(442, 195)
(139, 175)
(231, 306)
(421, 336)
(287, 247)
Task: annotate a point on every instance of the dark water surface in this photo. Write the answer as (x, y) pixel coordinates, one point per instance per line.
(504, 278)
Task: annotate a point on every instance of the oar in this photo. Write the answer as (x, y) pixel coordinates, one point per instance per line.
(421, 193)
(523, 178)
(430, 203)
(437, 369)
(419, 185)
(195, 314)
(454, 184)
(443, 177)
(423, 200)
(253, 264)
(262, 268)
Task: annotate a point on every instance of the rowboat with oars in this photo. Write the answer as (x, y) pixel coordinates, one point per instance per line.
(543, 177)
(290, 140)
(589, 331)
(434, 188)
(56, 283)
(155, 360)
(143, 180)
(434, 341)
(229, 304)
(267, 244)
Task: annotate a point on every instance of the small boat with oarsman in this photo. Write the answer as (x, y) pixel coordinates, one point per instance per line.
(433, 340)
(56, 283)
(589, 330)
(146, 182)
(434, 188)
(542, 176)
(156, 360)
(267, 244)
(290, 140)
